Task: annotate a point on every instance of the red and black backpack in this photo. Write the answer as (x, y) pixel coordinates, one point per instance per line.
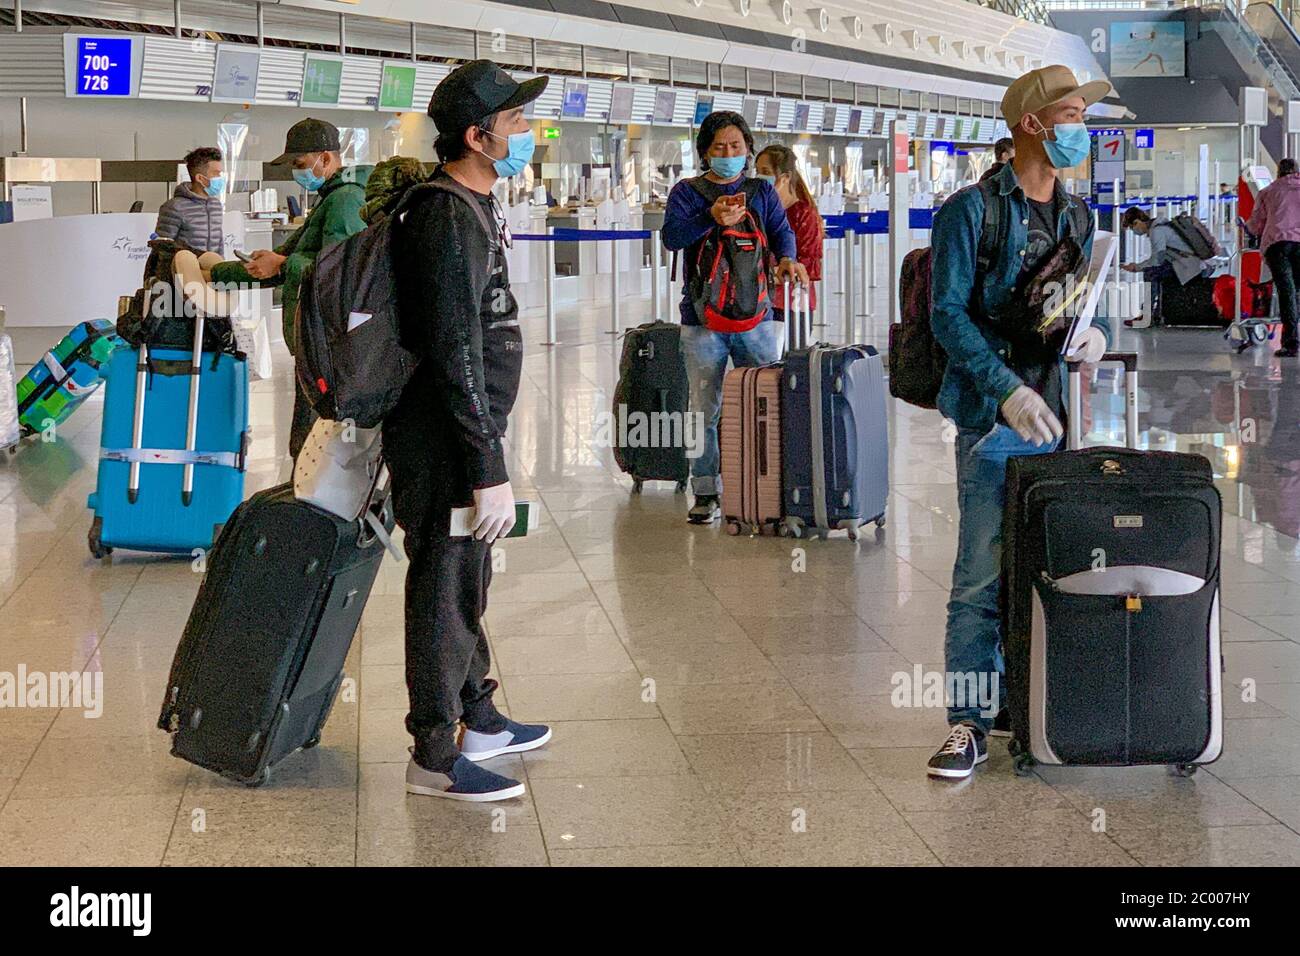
(731, 281)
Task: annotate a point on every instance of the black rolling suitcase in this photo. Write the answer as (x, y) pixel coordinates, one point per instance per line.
(1111, 604)
(1189, 305)
(651, 385)
(262, 656)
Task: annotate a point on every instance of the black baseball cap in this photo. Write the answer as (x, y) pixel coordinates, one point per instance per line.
(470, 93)
(308, 136)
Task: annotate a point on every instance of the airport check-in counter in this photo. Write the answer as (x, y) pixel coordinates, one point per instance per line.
(574, 258)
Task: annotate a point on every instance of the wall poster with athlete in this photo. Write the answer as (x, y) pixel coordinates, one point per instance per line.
(1148, 48)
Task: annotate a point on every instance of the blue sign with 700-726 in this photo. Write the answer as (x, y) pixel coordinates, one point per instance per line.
(103, 66)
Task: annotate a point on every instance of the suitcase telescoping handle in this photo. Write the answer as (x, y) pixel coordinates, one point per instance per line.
(192, 419)
(1074, 413)
(798, 321)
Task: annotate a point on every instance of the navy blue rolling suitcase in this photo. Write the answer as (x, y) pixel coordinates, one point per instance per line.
(834, 439)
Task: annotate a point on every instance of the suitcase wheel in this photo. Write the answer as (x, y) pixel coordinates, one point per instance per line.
(791, 528)
(681, 488)
(1023, 764)
(636, 486)
(1182, 769)
(880, 523)
(733, 528)
(260, 779)
(97, 549)
(311, 743)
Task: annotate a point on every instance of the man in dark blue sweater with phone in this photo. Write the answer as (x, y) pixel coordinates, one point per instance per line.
(723, 197)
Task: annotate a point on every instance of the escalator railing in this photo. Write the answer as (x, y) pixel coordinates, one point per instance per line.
(1264, 65)
(1277, 36)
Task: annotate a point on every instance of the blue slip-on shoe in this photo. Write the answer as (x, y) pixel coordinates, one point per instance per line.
(515, 739)
(466, 782)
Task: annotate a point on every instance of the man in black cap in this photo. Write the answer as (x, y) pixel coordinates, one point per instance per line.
(312, 146)
(443, 440)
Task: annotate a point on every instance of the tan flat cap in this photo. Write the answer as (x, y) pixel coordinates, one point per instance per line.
(1045, 87)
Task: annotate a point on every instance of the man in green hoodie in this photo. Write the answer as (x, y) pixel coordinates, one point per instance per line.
(312, 146)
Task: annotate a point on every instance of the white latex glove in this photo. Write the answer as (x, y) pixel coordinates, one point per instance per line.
(1027, 413)
(494, 512)
(1088, 346)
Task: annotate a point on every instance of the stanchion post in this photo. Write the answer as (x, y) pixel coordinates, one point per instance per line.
(614, 290)
(871, 260)
(552, 336)
(656, 260)
(866, 246)
(846, 262)
(850, 305)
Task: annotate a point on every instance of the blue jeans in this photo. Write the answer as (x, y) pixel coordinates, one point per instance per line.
(706, 353)
(972, 644)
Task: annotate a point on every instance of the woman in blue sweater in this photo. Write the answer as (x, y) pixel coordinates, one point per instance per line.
(722, 197)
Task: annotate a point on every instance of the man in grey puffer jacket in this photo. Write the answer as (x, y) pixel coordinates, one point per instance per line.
(193, 215)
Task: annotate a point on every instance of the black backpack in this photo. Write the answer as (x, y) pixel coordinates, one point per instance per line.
(917, 362)
(351, 363)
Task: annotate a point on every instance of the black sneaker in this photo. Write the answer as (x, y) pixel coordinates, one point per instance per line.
(1001, 724)
(964, 749)
(1285, 353)
(705, 509)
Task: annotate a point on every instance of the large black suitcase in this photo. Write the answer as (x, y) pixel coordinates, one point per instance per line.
(1191, 304)
(1110, 598)
(652, 389)
(262, 656)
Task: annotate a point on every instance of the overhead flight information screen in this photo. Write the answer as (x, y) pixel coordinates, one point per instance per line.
(101, 65)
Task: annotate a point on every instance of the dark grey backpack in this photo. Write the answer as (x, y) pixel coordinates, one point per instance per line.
(351, 363)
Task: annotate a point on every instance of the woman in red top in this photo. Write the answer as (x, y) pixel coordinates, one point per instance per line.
(778, 165)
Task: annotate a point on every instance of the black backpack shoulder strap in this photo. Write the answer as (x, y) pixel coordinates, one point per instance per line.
(994, 229)
(448, 185)
(708, 190)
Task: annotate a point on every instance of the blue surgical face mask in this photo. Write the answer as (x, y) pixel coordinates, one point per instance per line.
(767, 179)
(519, 153)
(307, 178)
(727, 167)
(215, 187)
(1070, 145)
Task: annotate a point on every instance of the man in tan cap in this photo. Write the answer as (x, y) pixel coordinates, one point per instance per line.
(1003, 390)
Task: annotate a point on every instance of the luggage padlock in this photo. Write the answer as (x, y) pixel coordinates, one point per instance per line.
(1111, 467)
(648, 352)
(1133, 603)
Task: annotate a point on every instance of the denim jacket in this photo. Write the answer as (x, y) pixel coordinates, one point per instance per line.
(978, 377)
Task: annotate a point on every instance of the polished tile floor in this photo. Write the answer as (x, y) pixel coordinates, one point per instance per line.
(715, 700)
